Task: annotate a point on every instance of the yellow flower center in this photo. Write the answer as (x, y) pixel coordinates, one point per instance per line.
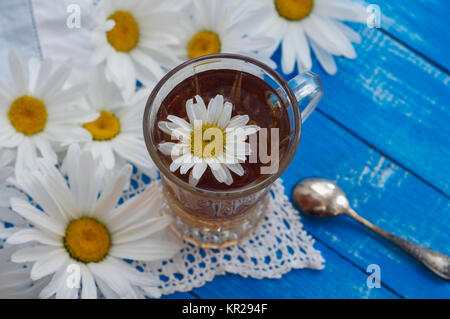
(87, 240)
(28, 115)
(203, 43)
(106, 127)
(294, 9)
(209, 144)
(125, 34)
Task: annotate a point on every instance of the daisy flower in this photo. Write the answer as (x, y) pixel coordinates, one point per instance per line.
(131, 38)
(117, 132)
(78, 231)
(217, 26)
(194, 151)
(39, 114)
(301, 24)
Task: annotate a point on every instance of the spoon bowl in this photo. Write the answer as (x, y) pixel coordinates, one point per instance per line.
(320, 197)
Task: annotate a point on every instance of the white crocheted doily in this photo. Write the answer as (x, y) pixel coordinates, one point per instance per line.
(277, 246)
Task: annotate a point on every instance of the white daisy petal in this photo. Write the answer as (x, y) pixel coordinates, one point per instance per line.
(288, 50)
(53, 261)
(36, 217)
(17, 73)
(342, 10)
(89, 290)
(141, 230)
(134, 209)
(111, 194)
(238, 121)
(236, 168)
(304, 61)
(145, 250)
(179, 122)
(325, 58)
(31, 254)
(108, 274)
(167, 148)
(27, 235)
(225, 116)
(198, 170)
(186, 167)
(215, 108)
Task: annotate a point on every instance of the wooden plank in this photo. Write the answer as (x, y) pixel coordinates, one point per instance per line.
(340, 279)
(179, 295)
(420, 24)
(380, 191)
(385, 194)
(395, 101)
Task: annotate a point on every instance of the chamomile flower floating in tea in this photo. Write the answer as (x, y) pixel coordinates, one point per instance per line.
(299, 24)
(217, 26)
(39, 114)
(77, 228)
(211, 138)
(132, 39)
(116, 134)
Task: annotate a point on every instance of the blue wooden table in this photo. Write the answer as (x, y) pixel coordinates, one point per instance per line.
(382, 131)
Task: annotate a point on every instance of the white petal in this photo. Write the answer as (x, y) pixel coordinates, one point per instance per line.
(55, 82)
(109, 275)
(50, 264)
(288, 50)
(180, 122)
(167, 148)
(31, 254)
(42, 76)
(146, 250)
(112, 193)
(144, 205)
(325, 58)
(215, 108)
(342, 10)
(30, 234)
(89, 290)
(304, 61)
(36, 217)
(148, 62)
(134, 150)
(17, 73)
(55, 185)
(141, 230)
(225, 116)
(236, 168)
(186, 167)
(45, 149)
(198, 170)
(238, 121)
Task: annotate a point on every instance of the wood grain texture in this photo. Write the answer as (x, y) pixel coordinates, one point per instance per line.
(421, 25)
(340, 279)
(396, 101)
(381, 191)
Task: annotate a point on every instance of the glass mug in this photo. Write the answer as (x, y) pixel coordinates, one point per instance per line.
(217, 219)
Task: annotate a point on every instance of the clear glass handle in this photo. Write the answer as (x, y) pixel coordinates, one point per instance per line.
(308, 91)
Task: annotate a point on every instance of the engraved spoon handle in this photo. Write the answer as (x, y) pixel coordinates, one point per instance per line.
(434, 260)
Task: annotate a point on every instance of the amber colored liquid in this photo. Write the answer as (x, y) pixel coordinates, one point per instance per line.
(249, 95)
